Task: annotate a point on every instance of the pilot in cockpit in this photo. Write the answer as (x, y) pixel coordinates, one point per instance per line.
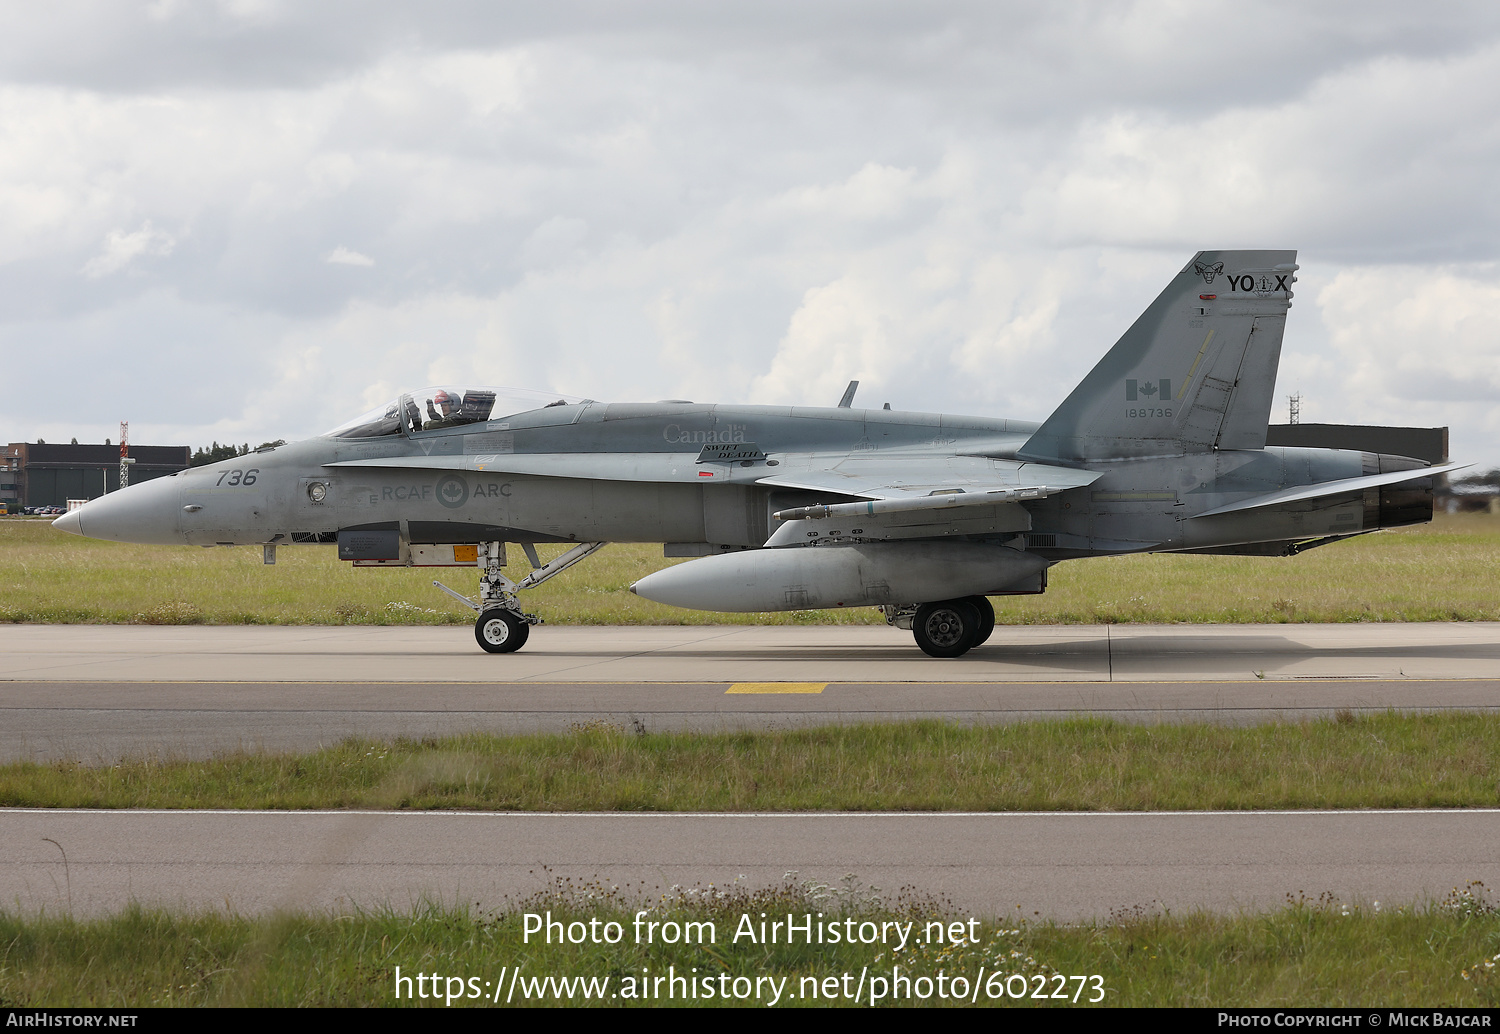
(450, 407)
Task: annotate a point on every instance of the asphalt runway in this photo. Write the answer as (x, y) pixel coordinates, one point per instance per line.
(98, 693)
(1058, 866)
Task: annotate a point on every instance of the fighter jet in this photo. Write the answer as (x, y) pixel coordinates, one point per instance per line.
(1160, 448)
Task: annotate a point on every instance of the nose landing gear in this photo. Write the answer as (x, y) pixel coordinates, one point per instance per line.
(502, 626)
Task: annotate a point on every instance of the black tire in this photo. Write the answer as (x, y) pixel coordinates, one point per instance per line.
(986, 618)
(500, 631)
(946, 629)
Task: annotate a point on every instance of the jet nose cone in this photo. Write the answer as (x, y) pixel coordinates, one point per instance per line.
(69, 522)
(147, 513)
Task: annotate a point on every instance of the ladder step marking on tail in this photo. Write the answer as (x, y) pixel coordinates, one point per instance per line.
(1194, 368)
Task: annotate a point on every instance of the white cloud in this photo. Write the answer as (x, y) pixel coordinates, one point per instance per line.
(1417, 335)
(961, 204)
(1370, 159)
(342, 256)
(837, 334)
(121, 248)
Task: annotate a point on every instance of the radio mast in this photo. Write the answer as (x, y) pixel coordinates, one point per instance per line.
(124, 453)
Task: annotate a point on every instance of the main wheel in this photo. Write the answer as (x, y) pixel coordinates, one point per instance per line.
(986, 617)
(946, 629)
(500, 631)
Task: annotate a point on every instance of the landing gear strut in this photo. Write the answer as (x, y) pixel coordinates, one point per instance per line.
(502, 626)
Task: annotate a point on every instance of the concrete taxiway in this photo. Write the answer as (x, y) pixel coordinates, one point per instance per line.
(96, 693)
(1061, 866)
(100, 722)
(746, 653)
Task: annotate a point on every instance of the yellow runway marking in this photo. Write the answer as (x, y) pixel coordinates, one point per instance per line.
(777, 687)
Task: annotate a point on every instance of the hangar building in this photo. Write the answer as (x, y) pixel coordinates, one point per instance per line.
(1422, 443)
(32, 474)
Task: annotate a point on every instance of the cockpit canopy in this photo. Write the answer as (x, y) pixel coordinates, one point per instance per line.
(439, 406)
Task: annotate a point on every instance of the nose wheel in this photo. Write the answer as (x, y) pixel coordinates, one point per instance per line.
(501, 631)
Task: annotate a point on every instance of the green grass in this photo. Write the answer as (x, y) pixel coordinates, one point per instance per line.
(50, 577)
(1318, 953)
(1445, 571)
(1384, 761)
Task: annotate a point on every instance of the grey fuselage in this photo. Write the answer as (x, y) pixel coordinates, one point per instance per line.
(539, 480)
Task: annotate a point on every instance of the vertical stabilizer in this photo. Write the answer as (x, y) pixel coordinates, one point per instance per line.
(1194, 373)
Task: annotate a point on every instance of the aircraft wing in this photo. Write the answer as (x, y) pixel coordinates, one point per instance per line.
(917, 497)
(1327, 488)
(884, 475)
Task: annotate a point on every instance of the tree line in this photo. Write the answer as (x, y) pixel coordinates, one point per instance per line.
(216, 452)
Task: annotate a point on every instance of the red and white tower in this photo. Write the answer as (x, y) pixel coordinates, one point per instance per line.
(124, 453)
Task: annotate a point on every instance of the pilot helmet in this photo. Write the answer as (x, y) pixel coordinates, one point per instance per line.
(446, 400)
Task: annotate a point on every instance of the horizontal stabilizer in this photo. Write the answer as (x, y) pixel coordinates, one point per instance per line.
(1328, 488)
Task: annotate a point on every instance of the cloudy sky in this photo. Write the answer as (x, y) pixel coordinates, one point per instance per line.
(250, 219)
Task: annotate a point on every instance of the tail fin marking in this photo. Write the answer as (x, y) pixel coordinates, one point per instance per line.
(1220, 350)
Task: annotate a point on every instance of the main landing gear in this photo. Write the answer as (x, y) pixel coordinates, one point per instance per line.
(949, 628)
(502, 626)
